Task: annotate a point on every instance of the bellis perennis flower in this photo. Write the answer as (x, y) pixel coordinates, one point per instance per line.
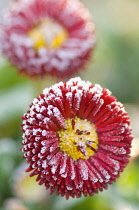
(77, 138)
(48, 36)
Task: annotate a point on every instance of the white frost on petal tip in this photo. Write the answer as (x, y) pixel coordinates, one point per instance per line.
(117, 164)
(83, 169)
(63, 164)
(69, 188)
(79, 185)
(64, 175)
(53, 169)
(44, 133)
(35, 131)
(43, 150)
(54, 177)
(46, 91)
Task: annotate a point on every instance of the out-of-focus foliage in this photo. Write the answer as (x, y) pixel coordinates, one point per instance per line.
(115, 65)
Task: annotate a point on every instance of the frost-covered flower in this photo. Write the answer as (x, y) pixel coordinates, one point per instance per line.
(48, 37)
(77, 138)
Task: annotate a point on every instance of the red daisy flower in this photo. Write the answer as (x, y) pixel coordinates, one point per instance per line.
(77, 138)
(48, 36)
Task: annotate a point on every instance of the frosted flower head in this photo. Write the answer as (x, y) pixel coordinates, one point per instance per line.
(76, 138)
(48, 37)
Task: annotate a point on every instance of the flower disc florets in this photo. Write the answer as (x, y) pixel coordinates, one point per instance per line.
(77, 138)
(48, 37)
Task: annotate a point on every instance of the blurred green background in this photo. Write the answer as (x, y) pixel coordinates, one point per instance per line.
(115, 65)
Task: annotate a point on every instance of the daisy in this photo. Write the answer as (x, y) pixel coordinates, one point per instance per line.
(52, 37)
(76, 138)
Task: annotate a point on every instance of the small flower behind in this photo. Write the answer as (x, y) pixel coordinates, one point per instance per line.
(77, 138)
(48, 37)
(26, 188)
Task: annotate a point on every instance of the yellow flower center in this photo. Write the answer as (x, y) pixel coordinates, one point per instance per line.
(79, 139)
(48, 34)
